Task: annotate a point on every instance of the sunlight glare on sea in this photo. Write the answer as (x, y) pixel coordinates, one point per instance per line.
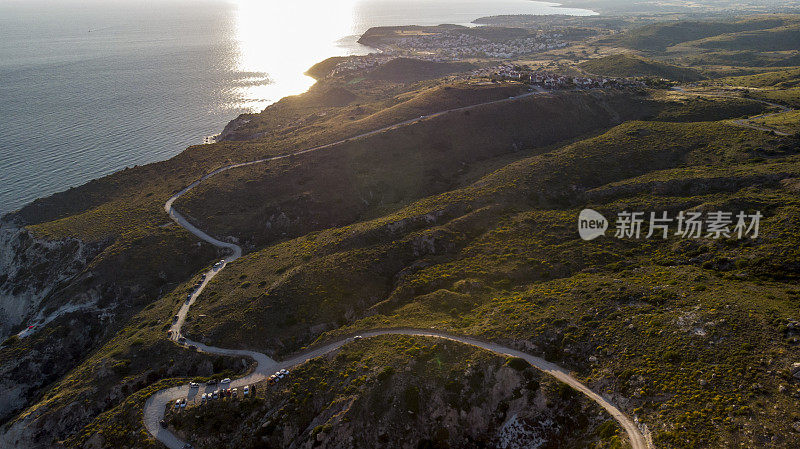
(296, 34)
(89, 87)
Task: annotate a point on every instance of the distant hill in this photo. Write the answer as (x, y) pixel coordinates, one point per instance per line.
(784, 38)
(378, 36)
(659, 36)
(782, 78)
(323, 68)
(631, 65)
(404, 70)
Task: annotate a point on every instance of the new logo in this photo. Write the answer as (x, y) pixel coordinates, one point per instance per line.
(591, 224)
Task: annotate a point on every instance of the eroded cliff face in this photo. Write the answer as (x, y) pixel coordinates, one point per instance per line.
(32, 273)
(31, 269)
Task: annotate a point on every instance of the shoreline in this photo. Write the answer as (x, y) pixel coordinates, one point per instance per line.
(28, 189)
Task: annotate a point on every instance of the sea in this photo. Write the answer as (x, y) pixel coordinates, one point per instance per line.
(89, 87)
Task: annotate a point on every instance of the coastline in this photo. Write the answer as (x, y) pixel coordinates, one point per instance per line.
(85, 148)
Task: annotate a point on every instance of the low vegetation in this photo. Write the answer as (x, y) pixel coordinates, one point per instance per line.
(627, 65)
(411, 392)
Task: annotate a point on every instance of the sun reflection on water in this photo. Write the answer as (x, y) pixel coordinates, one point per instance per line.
(279, 40)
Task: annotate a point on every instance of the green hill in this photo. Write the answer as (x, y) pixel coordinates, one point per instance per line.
(626, 65)
(659, 36)
(780, 78)
(406, 70)
(785, 38)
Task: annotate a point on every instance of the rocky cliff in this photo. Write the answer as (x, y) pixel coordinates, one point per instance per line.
(32, 269)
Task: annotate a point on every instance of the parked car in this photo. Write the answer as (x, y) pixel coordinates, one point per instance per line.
(175, 318)
(219, 264)
(226, 380)
(211, 382)
(215, 394)
(357, 337)
(163, 423)
(194, 385)
(272, 379)
(177, 403)
(235, 392)
(246, 390)
(202, 277)
(203, 398)
(183, 403)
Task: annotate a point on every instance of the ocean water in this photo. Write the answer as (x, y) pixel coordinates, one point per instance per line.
(90, 87)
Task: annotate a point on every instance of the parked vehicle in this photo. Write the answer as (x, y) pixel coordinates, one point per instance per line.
(177, 403)
(183, 403)
(211, 382)
(246, 390)
(163, 423)
(194, 385)
(357, 337)
(235, 392)
(175, 318)
(226, 380)
(203, 398)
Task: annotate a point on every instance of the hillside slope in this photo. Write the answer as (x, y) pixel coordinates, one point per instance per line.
(625, 65)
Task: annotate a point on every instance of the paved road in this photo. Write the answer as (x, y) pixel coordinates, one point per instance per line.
(156, 404)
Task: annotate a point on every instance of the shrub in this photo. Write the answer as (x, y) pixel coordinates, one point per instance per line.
(517, 363)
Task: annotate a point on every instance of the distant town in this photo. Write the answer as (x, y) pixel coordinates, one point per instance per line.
(555, 81)
(455, 45)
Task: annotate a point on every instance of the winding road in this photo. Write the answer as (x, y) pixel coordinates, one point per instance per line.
(156, 404)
